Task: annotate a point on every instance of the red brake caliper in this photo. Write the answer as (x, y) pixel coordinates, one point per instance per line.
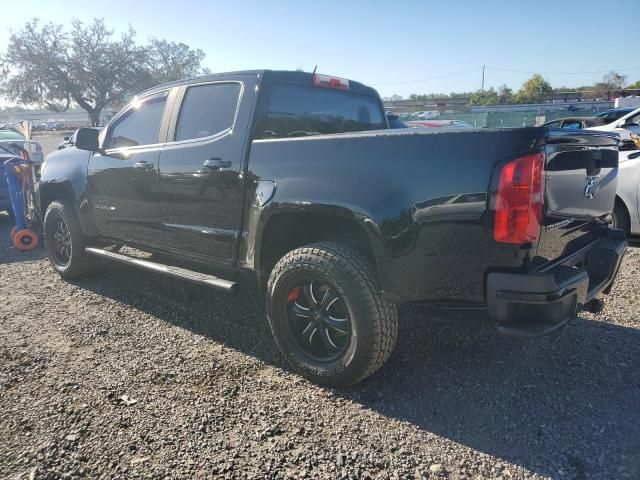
(293, 295)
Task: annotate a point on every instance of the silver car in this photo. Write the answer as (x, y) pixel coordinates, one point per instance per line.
(11, 139)
(626, 214)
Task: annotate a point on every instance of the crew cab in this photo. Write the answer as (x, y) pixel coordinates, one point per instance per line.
(293, 182)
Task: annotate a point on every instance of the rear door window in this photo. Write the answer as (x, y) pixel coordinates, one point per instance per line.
(208, 110)
(140, 125)
(299, 111)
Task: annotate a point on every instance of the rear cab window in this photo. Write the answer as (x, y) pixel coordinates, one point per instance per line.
(301, 111)
(208, 110)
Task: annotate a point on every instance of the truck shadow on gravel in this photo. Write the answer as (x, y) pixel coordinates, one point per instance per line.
(566, 404)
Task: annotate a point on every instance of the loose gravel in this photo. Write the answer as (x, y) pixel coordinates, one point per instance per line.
(128, 375)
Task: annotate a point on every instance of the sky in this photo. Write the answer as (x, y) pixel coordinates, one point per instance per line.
(399, 47)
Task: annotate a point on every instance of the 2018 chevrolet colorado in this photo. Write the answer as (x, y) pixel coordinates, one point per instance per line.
(294, 180)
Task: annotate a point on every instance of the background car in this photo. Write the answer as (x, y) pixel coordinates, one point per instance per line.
(11, 137)
(623, 126)
(626, 214)
(575, 123)
(614, 114)
(428, 114)
(438, 124)
(394, 120)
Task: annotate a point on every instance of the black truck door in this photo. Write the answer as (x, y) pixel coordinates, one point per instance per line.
(201, 183)
(123, 178)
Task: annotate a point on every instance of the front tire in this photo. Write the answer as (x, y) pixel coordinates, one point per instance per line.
(65, 241)
(328, 316)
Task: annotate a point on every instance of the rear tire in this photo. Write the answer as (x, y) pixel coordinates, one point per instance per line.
(328, 316)
(65, 241)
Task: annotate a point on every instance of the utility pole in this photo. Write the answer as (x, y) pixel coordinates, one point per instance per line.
(482, 89)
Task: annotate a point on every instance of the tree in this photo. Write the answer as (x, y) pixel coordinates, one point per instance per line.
(168, 61)
(615, 80)
(87, 65)
(533, 90)
(489, 97)
(634, 85)
(601, 90)
(505, 95)
(610, 83)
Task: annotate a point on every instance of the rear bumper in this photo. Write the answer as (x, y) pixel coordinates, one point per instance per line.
(539, 302)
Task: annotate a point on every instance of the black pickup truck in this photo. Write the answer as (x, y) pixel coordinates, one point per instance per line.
(294, 182)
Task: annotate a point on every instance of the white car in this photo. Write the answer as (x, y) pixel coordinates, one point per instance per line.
(429, 114)
(624, 126)
(626, 213)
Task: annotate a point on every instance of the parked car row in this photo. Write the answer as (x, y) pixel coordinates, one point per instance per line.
(48, 126)
(395, 121)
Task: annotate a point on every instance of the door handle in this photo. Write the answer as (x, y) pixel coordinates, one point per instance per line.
(216, 164)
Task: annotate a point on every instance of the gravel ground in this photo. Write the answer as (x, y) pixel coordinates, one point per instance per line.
(128, 375)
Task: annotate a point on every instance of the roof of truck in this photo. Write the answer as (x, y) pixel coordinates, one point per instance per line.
(281, 74)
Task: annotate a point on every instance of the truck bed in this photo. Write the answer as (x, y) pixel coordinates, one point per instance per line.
(426, 195)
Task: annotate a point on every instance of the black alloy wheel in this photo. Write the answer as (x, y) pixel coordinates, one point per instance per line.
(327, 313)
(65, 242)
(62, 246)
(319, 320)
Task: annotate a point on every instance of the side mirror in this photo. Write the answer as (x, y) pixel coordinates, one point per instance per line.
(87, 139)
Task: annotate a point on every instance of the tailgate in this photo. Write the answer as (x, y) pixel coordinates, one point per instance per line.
(581, 178)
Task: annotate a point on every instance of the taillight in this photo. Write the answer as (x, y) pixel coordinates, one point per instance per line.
(326, 81)
(519, 200)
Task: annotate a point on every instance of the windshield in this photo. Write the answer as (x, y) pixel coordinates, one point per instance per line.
(298, 111)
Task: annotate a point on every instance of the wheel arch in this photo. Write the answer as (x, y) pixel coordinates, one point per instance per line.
(63, 191)
(50, 192)
(288, 229)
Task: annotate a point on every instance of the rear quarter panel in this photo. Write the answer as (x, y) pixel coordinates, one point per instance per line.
(421, 197)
